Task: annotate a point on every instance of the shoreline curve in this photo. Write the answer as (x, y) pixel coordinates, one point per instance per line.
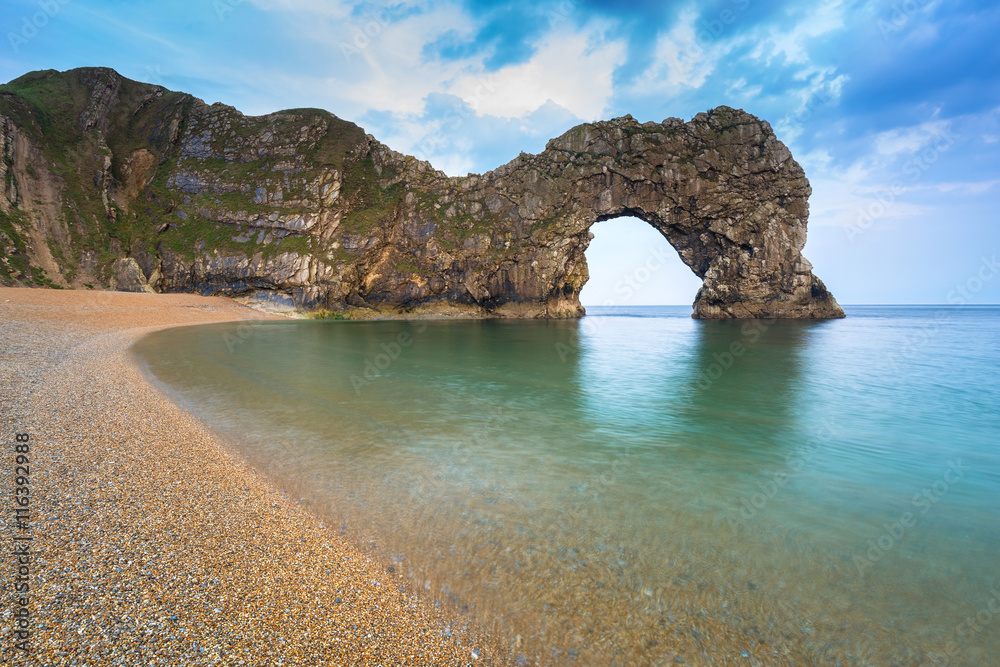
(152, 539)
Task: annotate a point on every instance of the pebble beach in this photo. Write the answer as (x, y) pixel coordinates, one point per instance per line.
(152, 542)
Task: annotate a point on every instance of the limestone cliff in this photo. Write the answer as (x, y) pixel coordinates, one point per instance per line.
(112, 183)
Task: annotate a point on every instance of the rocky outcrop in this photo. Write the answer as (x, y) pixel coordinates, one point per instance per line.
(301, 206)
(128, 277)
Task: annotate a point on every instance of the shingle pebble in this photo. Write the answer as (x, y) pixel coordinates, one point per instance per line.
(157, 545)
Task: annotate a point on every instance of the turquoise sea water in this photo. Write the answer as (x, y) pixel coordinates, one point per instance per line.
(638, 486)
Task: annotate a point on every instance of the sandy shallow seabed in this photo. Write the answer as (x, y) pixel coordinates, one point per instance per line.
(153, 543)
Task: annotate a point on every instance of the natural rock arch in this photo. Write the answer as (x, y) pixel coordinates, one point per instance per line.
(302, 206)
(723, 191)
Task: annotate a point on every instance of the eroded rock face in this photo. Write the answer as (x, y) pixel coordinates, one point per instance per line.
(303, 205)
(721, 188)
(129, 277)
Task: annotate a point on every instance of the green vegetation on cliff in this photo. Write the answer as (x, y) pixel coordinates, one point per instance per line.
(115, 183)
(112, 171)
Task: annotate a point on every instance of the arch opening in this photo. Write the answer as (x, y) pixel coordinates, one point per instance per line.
(631, 263)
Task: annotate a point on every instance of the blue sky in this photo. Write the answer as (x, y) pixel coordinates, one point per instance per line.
(892, 108)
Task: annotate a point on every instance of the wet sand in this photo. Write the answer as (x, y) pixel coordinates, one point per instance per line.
(155, 544)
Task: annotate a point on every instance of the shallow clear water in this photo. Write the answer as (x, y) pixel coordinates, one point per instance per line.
(639, 486)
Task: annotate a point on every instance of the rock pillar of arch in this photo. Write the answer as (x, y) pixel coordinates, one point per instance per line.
(722, 189)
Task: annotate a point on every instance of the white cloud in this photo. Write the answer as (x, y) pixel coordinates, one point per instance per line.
(685, 56)
(843, 201)
(902, 174)
(377, 69)
(909, 140)
(818, 160)
(739, 88)
(375, 64)
(455, 140)
(378, 61)
(873, 188)
(970, 188)
(793, 43)
(573, 70)
(823, 86)
(697, 46)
